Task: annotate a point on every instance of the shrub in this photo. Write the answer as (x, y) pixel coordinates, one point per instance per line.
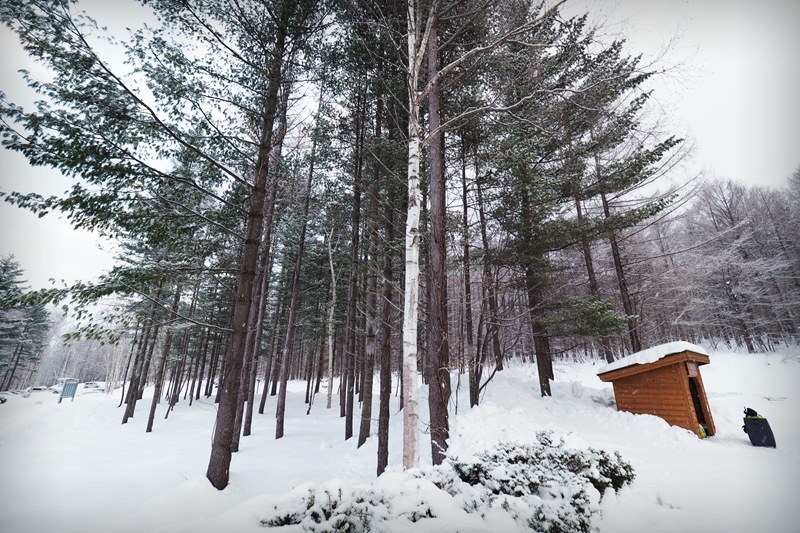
(541, 485)
(549, 479)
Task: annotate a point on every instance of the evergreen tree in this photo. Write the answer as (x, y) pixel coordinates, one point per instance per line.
(547, 149)
(24, 328)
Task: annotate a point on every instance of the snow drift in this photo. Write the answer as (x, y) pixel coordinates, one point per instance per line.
(73, 468)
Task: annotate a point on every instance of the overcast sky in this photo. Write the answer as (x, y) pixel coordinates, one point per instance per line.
(731, 87)
(732, 84)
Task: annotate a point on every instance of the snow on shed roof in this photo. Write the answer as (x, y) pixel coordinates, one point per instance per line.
(651, 355)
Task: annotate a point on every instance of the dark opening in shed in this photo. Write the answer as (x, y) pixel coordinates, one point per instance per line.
(664, 381)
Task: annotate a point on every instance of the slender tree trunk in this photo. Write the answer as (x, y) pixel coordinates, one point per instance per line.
(605, 345)
(162, 364)
(200, 369)
(268, 363)
(128, 364)
(278, 363)
(140, 355)
(256, 347)
(371, 346)
(244, 380)
(438, 347)
(177, 379)
(386, 331)
(145, 369)
(331, 325)
(349, 352)
(493, 324)
(212, 367)
(361, 324)
(184, 351)
(309, 374)
(541, 340)
(15, 358)
(471, 354)
(411, 284)
(199, 361)
(218, 472)
(320, 368)
(265, 269)
(281, 407)
(627, 301)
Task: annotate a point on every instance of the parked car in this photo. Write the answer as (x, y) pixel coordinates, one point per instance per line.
(93, 386)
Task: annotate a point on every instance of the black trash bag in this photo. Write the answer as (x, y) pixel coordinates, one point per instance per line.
(757, 428)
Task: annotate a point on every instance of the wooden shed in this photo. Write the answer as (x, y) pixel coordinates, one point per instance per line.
(664, 381)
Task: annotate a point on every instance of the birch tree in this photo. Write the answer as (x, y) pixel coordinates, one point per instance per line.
(422, 24)
(417, 42)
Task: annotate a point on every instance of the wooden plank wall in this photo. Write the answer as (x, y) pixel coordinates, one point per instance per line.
(663, 392)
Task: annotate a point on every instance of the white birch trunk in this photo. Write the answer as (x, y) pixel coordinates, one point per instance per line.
(410, 298)
(331, 309)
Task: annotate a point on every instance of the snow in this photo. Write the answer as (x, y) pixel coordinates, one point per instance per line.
(72, 467)
(651, 355)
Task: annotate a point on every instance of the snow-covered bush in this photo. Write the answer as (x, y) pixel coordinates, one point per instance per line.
(547, 480)
(330, 507)
(333, 507)
(542, 486)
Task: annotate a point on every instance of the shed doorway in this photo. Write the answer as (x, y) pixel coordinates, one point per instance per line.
(698, 404)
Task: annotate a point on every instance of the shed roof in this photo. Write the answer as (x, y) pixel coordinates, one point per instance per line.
(651, 355)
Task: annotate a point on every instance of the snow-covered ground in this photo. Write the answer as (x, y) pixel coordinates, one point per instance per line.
(72, 467)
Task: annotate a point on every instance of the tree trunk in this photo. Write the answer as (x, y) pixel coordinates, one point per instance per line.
(10, 374)
(349, 348)
(200, 369)
(309, 371)
(218, 472)
(178, 374)
(541, 341)
(386, 327)
(264, 271)
(471, 355)
(279, 320)
(411, 284)
(163, 363)
(627, 302)
(371, 348)
(438, 349)
(331, 325)
(320, 368)
(212, 367)
(269, 359)
(128, 364)
(290, 324)
(386, 340)
(493, 326)
(147, 330)
(145, 368)
(256, 347)
(605, 345)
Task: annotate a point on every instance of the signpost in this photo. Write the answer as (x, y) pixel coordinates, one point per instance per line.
(68, 390)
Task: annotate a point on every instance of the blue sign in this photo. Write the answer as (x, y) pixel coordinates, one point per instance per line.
(68, 390)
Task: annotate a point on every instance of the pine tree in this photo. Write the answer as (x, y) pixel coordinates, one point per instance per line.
(24, 327)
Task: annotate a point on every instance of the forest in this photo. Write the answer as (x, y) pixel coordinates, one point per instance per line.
(375, 191)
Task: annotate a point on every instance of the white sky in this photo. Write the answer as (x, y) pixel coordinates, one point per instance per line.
(731, 88)
(732, 81)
